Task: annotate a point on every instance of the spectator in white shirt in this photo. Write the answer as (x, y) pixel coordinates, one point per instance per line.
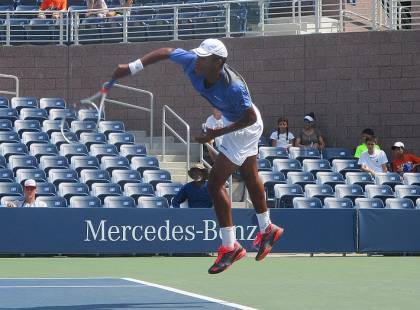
(29, 191)
(214, 121)
(373, 160)
(282, 137)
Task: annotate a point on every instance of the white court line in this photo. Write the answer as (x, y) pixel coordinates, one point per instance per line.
(67, 286)
(174, 290)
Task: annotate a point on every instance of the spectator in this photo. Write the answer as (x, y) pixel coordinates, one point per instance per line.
(126, 4)
(310, 136)
(195, 192)
(214, 121)
(98, 8)
(373, 160)
(402, 160)
(282, 137)
(29, 191)
(52, 5)
(366, 133)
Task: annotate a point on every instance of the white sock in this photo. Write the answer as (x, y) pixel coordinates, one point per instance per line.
(264, 220)
(228, 236)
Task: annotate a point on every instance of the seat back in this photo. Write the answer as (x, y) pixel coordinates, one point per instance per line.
(85, 202)
(337, 203)
(119, 202)
(369, 203)
(53, 201)
(399, 203)
(152, 202)
(307, 203)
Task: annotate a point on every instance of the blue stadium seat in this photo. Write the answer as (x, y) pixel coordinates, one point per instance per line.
(301, 153)
(9, 137)
(107, 127)
(41, 30)
(49, 162)
(45, 189)
(412, 178)
(4, 102)
(58, 139)
(418, 203)
(369, 203)
(68, 190)
(382, 192)
(337, 203)
(137, 27)
(33, 114)
(168, 190)
(59, 114)
(360, 178)
(111, 163)
(17, 200)
(90, 30)
(263, 164)
(88, 115)
(91, 176)
(102, 190)
(8, 149)
(80, 163)
(8, 113)
(285, 193)
(388, 178)
(136, 190)
(2, 162)
(29, 138)
(155, 177)
(141, 164)
(330, 178)
(307, 203)
(19, 103)
(10, 189)
(320, 191)
(24, 174)
(6, 175)
(41, 149)
(70, 150)
(58, 176)
(152, 202)
(399, 203)
(122, 177)
(336, 153)
(119, 202)
(131, 150)
(286, 165)
(316, 165)
(346, 165)
(82, 126)
(85, 202)
(50, 126)
(22, 161)
(53, 201)
(6, 124)
(91, 138)
(351, 191)
(300, 177)
(22, 126)
(407, 191)
(272, 152)
(120, 138)
(101, 150)
(52, 103)
(269, 179)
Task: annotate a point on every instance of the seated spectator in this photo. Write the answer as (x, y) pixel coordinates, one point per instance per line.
(126, 4)
(366, 133)
(98, 8)
(195, 192)
(214, 121)
(52, 5)
(282, 137)
(29, 191)
(373, 160)
(310, 136)
(403, 161)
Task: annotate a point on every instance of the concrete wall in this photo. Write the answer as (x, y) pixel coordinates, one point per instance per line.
(351, 81)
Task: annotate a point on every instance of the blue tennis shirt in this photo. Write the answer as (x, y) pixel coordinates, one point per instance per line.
(198, 197)
(231, 98)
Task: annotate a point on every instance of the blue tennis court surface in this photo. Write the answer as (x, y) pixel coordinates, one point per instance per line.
(100, 294)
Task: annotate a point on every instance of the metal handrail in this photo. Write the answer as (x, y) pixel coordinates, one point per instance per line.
(186, 142)
(16, 92)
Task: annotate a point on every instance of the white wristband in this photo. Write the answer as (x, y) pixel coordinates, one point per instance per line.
(135, 66)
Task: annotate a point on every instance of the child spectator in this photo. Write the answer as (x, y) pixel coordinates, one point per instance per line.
(282, 137)
(52, 5)
(310, 136)
(402, 160)
(373, 160)
(366, 133)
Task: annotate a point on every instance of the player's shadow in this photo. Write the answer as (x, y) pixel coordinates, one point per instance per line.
(132, 306)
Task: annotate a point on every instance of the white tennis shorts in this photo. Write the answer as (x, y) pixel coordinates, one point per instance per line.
(238, 145)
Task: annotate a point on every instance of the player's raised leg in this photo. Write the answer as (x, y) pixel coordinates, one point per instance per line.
(269, 233)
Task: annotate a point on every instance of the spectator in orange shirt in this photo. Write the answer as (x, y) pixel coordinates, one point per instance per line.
(52, 5)
(403, 161)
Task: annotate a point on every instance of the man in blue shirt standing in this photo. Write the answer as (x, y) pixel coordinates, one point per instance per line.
(226, 91)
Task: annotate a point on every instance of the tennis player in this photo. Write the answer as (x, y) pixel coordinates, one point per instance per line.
(227, 91)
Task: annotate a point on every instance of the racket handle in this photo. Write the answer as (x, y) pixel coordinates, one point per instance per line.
(107, 85)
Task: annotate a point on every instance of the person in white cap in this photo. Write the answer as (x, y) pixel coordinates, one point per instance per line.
(402, 160)
(310, 136)
(373, 160)
(225, 90)
(29, 192)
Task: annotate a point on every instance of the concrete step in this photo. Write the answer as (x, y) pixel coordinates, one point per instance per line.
(173, 165)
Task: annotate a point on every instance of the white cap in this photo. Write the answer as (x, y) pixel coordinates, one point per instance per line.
(309, 118)
(211, 47)
(397, 145)
(30, 183)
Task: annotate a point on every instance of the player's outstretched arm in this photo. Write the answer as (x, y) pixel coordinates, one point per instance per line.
(136, 66)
